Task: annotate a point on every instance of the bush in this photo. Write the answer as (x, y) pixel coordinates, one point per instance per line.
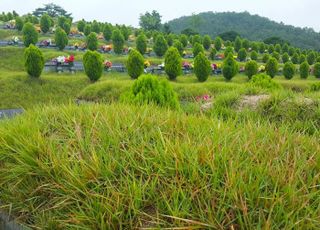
(218, 43)
(177, 44)
(316, 70)
(173, 63)
(45, 23)
(87, 30)
(254, 55)
(251, 68)
(141, 43)
(19, 23)
(135, 64)
(33, 61)
(107, 32)
(160, 46)
(206, 42)
(197, 48)
(118, 41)
(304, 70)
(263, 81)
(30, 35)
(184, 40)
(92, 41)
(147, 89)
(213, 53)
(202, 67)
(230, 67)
(289, 70)
(61, 38)
(272, 67)
(242, 54)
(93, 67)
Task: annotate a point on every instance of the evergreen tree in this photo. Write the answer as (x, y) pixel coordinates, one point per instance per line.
(61, 38)
(242, 55)
(197, 48)
(81, 25)
(30, 35)
(202, 68)
(184, 40)
(207, 42)
(230, 67)
(173, 63)
(237, 44)
(92, 41)
(107, 32)
(218, 43)
(135, 64)
(254, 55)
(177, 44)
(160, 46)
(141, 43)
(251, 68)
(272, 67)
(45, 23)
(118, 41)
(304, 70)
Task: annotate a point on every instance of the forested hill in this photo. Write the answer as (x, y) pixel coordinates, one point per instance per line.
(249, 26)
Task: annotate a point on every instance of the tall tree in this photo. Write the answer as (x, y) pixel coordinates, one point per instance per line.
(150, 21)
(52, 10)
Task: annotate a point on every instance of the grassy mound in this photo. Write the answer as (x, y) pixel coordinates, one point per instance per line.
(99, 167)
(105, 91)
(11, 59)
(18, 90)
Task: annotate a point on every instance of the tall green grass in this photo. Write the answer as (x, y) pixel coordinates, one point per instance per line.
(124, 167)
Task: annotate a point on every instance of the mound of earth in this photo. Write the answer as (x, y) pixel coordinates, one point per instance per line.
(252, 101)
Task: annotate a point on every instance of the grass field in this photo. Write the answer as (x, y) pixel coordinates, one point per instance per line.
(104, 164)
(120, 166)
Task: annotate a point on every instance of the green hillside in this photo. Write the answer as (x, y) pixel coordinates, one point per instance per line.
(249, 26)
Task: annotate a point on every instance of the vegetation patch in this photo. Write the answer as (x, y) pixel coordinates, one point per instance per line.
(122, 166)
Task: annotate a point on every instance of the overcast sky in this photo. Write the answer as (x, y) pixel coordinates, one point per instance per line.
(302, 13)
